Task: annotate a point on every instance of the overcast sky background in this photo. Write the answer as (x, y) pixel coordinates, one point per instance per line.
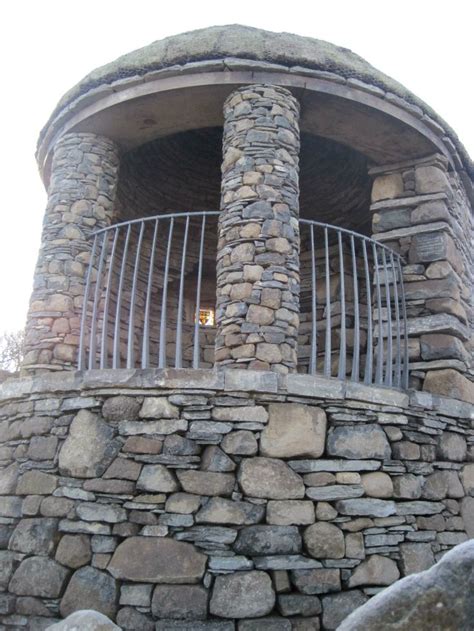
(48, 46)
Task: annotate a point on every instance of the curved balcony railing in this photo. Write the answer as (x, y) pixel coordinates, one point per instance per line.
(151, 282)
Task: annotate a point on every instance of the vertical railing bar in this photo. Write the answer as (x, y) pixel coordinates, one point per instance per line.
(356, 339)
(406, 368)
(97, 292)
(116, 346)
(105, 322)
(164, 299)
(133, 298)
(314, 333)
(389, 361)
(368, 287)
(397, 320)
(146, 320)
(179, 325)
(342, 289)
(198, 298)
(81, 353)
(327, 350)
(379, 362)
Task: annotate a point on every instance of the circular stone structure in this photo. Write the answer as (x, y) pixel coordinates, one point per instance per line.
(247, 393)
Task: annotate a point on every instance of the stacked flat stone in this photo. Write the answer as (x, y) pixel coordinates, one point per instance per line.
(241, 499)
(420, 210)
(257, 307)
(80, 200)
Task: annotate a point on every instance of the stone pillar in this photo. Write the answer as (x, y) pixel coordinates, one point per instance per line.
(257, 259)
(421, 210)
(80, 200)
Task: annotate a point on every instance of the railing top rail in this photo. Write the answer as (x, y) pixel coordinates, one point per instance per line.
(354, 234)
(191, 213)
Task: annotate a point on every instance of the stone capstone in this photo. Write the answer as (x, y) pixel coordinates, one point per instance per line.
(242, 595)
(89, 448)
(293, 430)
(269, 478)
(157, 560)
(438, 598)
(92, 589)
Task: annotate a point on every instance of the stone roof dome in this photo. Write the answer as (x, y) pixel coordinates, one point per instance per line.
(262, 49)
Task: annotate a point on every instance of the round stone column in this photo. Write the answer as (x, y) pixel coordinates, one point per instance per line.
(257, 256)
(81, 196)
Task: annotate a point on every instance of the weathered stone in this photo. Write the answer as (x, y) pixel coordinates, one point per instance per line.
(241, 443)
(157, 560)
(290, 512)
(376, 570)
(89, 448)
(85, 620)
(42, 447)
(36, 483)
(370, 507)
(39, 576)
(438, 598)
(364, 441)
(242, 414)
(123, 469)
(74, 551)
(467, 477)
(265, 540)
(293, 430)
(415, 557)
(157, 478)
(35, 536)
(182, 503)
(214, 459)
(130, 619)
(419, 508)
(269, 478)
(449, 383)
(206, 482)
(7, 565)
(298, 605)
(316, 581)
(407, 486)
(182, 602)
(324, 541)
(187, 625)
(325, 512)
(335, 492)
(405, 450)
(242, 595)
(435, 486)
(140, 445)
(355, 546)
(377, 484)
(96, 511)
(387, 187)
(121, 408)
(136, 595)
(336, 607)
(467, 514)
(319, 479)
(90, 588)
(159, 408)
(222, 511)
(452, 447)
(8, 479)
(115, 487)
(163, 427)
(441, 346)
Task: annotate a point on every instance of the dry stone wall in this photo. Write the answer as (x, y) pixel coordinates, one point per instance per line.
(223, 500)
(421, 211)
(257, 302)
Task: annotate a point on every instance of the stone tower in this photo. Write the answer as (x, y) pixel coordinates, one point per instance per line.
(247, 392)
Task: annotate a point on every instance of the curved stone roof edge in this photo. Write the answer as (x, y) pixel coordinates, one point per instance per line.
(249, 43)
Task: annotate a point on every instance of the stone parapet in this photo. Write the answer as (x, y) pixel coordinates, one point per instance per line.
(80, 200)
(170, 497)
(257, 304)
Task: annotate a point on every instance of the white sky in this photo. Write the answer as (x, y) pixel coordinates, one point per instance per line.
(47, 46)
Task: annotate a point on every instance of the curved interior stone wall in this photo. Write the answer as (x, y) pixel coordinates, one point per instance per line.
(182, 172)
(222, 500)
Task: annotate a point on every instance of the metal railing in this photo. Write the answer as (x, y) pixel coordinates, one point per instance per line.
(352, 307)
(143, 292)
(148, 279)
